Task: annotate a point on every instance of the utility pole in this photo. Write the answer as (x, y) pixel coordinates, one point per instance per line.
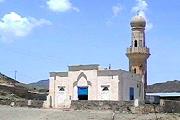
(15, 73)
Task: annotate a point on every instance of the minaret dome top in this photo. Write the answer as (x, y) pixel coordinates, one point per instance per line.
(138, 21)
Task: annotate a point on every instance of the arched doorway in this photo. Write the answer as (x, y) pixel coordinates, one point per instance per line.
(81, 87)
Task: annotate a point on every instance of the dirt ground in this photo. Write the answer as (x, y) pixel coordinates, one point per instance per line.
(20, 113)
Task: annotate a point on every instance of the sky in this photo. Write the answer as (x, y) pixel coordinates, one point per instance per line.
(42, 36)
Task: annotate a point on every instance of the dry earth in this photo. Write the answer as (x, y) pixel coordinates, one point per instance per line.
(20, 113)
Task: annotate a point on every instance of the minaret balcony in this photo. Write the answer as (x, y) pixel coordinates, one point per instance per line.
(144, 50)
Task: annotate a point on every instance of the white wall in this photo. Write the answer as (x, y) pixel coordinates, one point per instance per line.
(118, 86)
(130, 80)
(112, 82)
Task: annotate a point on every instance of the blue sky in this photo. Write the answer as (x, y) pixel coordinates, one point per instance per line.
(39, 36)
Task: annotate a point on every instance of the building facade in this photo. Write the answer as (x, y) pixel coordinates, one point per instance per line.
(90, 82)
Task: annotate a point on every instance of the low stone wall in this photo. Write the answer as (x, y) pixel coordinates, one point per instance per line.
(123, 106)
(170, 106)
(147, 108)
(166, 106)
(36, 103)
(101, 105)
(5, 101)
(22, 103)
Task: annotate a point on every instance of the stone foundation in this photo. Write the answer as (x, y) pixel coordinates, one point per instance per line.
(124, 106)
(101, 105)
(170, 106)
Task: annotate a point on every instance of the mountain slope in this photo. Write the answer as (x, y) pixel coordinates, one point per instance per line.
(12, 89)
(42, 84)
(6, 80)
(169, 86)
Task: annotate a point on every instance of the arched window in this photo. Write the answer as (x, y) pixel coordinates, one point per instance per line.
(135, 70)
(135, 43)
(141, 66)
(61, 88)
(105, 89)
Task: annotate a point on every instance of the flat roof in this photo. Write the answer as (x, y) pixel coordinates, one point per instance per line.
(83, 67)
(172, 94)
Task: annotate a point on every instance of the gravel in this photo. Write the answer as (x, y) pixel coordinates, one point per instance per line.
(23, 113)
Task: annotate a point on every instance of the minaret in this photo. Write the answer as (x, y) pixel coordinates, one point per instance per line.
(138, 53)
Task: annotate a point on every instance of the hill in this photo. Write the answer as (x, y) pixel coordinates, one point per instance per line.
(42, 84)
(169, 86)
(6, 80)
(12, 89)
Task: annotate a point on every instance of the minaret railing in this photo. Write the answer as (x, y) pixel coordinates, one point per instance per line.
(138, 50)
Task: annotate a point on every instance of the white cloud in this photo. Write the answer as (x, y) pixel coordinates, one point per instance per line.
(61, 5)
(13, 25)
(140, 8)
(141, 5)
(117, 9)
(149, 26)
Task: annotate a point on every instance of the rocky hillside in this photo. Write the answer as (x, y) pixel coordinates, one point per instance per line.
(169, 86)
(12, 89)
(6, 80)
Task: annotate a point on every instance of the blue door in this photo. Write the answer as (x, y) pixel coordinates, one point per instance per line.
(83, 93)
(131, 93)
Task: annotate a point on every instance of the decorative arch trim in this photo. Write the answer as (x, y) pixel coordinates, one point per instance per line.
(79, 77)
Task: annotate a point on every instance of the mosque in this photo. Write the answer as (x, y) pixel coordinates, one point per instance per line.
(91, 82)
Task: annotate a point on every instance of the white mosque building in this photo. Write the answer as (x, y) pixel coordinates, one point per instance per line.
(91, 82)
